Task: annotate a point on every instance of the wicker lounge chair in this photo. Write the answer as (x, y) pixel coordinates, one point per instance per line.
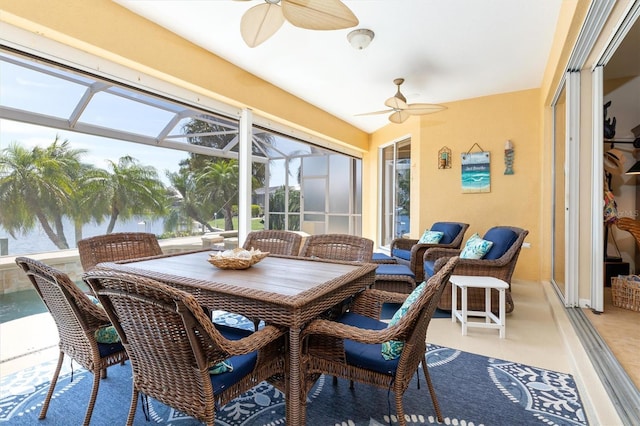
(172, 345)
(77, 318)
(630, 225)
(499, 262)
(350, 347)
(410, 252)
(338, 247)
(117, 246)
(275, 242)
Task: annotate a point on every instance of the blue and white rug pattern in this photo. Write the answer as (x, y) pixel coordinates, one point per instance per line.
(472, 390)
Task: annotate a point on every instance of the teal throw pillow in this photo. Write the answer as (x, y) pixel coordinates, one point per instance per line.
(431, 237)
(221, 367)
(475, 248)
(107, 334)
(393, 348)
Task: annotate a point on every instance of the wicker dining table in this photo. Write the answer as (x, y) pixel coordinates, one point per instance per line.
(282, 290)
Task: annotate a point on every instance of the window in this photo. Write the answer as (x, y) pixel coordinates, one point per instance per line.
(127, 160)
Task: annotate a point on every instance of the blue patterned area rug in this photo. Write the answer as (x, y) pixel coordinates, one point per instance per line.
(473, 390)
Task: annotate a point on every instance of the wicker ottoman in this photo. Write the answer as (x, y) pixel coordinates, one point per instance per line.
(396, 278)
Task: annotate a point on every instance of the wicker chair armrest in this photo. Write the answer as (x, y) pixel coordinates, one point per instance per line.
(403, 244)
(435, 253)
(255, 341)
(369, 302)
(484, 263)
(357, 334)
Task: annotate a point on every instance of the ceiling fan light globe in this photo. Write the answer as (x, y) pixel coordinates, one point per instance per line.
(360, 38)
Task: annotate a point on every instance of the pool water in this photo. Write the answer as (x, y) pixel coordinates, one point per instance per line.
(20, 304)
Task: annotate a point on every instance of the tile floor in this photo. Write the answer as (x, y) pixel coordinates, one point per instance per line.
(538, 333)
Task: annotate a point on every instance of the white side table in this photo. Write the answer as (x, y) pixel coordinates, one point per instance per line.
(491, 321)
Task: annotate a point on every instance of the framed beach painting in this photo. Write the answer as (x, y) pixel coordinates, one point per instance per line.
(475, 172)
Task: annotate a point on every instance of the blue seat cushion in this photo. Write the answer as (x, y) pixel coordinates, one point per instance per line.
(402, 254)
(368, 356)
(242, 364)
(429, 266)
(381, 257)
(449, 230)
(391, 269)
(502, 239)
(106, 349)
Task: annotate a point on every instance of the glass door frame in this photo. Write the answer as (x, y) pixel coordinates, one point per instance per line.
(389, 219)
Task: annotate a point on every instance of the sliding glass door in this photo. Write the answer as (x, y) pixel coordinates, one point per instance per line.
(395, 178)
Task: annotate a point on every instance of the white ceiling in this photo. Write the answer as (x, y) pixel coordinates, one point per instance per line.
(446, 50)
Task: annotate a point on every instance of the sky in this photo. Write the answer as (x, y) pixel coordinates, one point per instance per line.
(99, 150)
(57, 95)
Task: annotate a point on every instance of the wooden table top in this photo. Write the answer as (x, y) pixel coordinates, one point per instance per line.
(279, 279)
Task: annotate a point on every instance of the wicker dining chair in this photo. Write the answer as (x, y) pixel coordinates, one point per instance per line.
(117, 246)
(77, 318)
(351, 346)
(275, 242)
(410, 252)
(338, 247)
(499, 262)
(172, 346)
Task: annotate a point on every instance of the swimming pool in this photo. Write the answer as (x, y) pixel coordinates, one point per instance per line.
(20, 304)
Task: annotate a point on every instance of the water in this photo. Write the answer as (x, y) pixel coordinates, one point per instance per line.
(20, 304)
(37, 241)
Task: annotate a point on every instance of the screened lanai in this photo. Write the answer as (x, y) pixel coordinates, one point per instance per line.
(129, 158)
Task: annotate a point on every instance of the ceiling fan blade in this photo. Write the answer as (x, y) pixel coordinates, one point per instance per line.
(319, 14)
(419, 109)
(395, 103)
(386, 111)
(260, 22)
(399, 117)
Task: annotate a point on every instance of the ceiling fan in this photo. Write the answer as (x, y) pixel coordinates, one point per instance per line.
(262, 21)
(400, 110)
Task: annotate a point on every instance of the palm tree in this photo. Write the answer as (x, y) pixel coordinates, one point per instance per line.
(84, 203)
(128, 189)
(188, 204)
(219, 180)
(35, 186)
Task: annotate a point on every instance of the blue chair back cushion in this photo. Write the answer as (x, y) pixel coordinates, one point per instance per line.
(502, 239)
(450, 231)
(391, 269)
(365, 355)
(429, 266)
(242, 364)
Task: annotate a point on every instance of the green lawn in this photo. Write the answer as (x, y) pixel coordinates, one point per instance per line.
(255, 223)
